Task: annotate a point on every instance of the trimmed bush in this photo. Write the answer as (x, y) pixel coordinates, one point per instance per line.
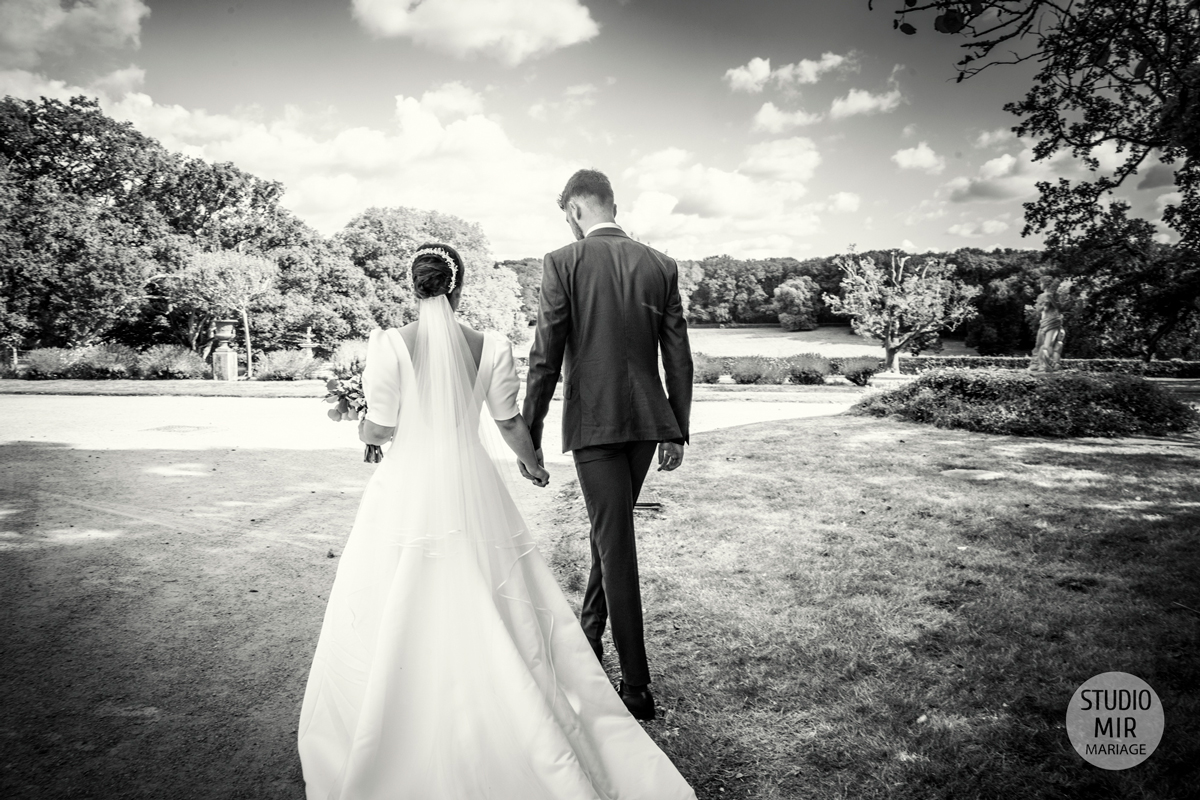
(807, 368)
(49, 363)
(755, 370)
(1018, 403)
(859, 369)
(348, 358)
(705, 369)
(105, 362)
(170, 361)
(286, 365)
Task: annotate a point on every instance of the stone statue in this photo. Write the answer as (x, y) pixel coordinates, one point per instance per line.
(1047, 353)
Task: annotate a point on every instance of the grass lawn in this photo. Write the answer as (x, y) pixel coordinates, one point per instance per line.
(828, 616)
(828, 340)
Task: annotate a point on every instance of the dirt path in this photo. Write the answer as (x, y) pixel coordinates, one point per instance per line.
(164, 563)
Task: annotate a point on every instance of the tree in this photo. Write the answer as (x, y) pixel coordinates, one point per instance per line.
(72, 268)
(103, 217)
(382, 241)
(729, 290)
(218, 205)
(796, 303)
(1135, 293)
(1125, 72)
(898, 305)
(690, 275)
(226, 281)
(81, 238)
(529, 276)
(14, 296)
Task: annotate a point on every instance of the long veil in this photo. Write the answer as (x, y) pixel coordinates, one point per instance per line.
(436, 567)
(446, 431)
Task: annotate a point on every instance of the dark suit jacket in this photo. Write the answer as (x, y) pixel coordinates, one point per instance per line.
(608, 305)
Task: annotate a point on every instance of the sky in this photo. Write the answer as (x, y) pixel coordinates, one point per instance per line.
(756, 128)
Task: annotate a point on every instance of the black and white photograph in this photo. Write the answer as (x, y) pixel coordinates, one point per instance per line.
(599, 399)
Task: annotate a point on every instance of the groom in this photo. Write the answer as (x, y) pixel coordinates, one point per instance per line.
(608, 305)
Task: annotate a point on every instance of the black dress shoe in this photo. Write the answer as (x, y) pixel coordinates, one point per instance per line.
(638, 700)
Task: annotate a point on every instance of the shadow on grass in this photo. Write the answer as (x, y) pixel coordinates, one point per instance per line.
(167, 657)
(833, 617)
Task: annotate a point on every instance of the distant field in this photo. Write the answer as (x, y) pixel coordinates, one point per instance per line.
(828, 340)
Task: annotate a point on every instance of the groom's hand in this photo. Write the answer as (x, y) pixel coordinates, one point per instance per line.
(670, 456)
(539, 476)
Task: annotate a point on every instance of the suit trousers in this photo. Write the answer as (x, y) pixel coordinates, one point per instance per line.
(610, 477)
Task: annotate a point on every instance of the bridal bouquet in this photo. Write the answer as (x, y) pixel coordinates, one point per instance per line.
(347, 393)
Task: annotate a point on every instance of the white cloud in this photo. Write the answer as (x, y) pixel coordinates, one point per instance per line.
(910, 130)
(120, 82)
(750, 78)
(1170, 198)
(907, 246)
(773, 120)
(860, 101)
(1010, 177)
(452, 100)
(809, 71)
(972, 230)
(31, 29)
(920, 157)
(691, 210)
(844, 202)
(754, 76)
(510, 30)
(1166, 234)
(992, 138)
(783, 159)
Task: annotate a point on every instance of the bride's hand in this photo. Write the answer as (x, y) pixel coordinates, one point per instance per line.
(538, 474)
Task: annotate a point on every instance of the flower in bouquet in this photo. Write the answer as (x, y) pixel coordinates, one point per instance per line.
(347, 393)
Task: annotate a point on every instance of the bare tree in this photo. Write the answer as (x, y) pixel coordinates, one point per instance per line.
(898, 304)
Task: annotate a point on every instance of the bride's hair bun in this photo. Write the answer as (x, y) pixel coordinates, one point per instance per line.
(437, 269)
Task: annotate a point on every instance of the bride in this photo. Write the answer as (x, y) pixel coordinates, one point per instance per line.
(450, 665)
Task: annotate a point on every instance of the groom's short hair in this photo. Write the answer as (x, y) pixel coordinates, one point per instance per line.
(587, 183)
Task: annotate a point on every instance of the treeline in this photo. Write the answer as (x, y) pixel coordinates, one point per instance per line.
(1129, 301)
(723, 290)
(100, 227)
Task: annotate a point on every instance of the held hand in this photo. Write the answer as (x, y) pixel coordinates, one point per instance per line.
(538, 474)
(670, 456)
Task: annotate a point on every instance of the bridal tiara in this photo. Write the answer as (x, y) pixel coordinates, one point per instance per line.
(444, 255)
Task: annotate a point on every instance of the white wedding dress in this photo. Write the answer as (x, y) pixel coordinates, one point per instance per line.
(450, 666)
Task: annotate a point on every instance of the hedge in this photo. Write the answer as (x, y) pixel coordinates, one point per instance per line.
(1015, 403)
(915, 365)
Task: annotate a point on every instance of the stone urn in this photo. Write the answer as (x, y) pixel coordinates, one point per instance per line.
(306, 343)
(224, 357)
